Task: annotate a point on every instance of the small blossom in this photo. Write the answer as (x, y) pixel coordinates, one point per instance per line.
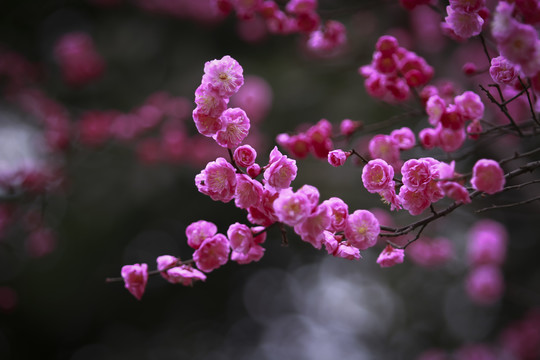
(135, 279)
(224, 75)
(234, 128)
(207, 125)
(337, 157)
(390, 256)
(198, 231)
(416, 174)
(448, 139)
(377, 175)
(339, 213)
(362, 229)
(386, 148)
(245, 155)
(469, 105)
(431, 252)
(488, 176)
(429, 138)
(292, 208)
(413, 201)
(253, 170)
(502, 71)
(184, 275)
(485, 284)
(248, 192)
(312, 228)
(217, 180)
(281, 171)
(404, 137)
(346, 251)
(209, 102)
(240, 238)
(348, 127)
(213, 253)
(464, 24)
(486, 244)
(255, 253)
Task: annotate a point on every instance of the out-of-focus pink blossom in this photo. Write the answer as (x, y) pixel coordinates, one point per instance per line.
(464, 24)
(485, 284)
(488, 176)
(135, 279)
(487, 241)
(404, 137)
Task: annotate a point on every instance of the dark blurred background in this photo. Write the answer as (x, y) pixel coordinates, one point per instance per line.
(114, 206)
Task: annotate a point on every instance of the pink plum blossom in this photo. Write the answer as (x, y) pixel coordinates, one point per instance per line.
(413, 201)
(264, 214)
(390, 256)
(135, 278)
(346, 251)
(502, 71)
(450, 140)
(404, 137)
(281, 171)
(348, 127)
(234, 128)
(248, 192)
(184, 275)
(255, 97)
(255, 253)
(464, 24)
(240, 238)
(217, 180)
(312, 228)
(469, 6)
(487, 241)
(339, 213)
(377, 175)
(362, 229)
(312, 194)
(245, 155)
(337, 157)
(213, 253)
(209, 101)
(292, 208)
(488, 176)
(416, 174)
(485, 284)
(198, 231)
(207, 125)
(386, 148)
(470, 105)
(224, 75)
(429, 138)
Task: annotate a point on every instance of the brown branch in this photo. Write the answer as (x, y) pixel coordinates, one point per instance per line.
(502, 206)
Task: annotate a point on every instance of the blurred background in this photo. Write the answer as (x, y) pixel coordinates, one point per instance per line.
(98, 155)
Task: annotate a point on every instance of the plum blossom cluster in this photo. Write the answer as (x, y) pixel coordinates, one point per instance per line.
(486, 253)
(465, 18)
(517, 42)
(394, 71)
(297, 16)
(451, 120)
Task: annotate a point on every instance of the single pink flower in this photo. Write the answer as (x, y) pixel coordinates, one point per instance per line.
(280, 172)
(213, 253)
(224, 75)
(386, 148)
(184, 275)
(209, 102)
(377, 175)
(449, 139)
(464, 24)
(240, 238)
(502, 71)
(248, 192)
(135, 279)
(234, 128)
(429, 138)
(487, 241)
(245, 155)
(414, 201)
(348, 127)
(346, 251)
(488, 176)
(339, 213)
(485, 284)
(255, 253)
(312, 228)
(362, 229)
(337, 157)
(217, 180)
(390, 256)
(404, 137)
(416, 174)
(198, 231)
(469, 105)
(207, 125)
